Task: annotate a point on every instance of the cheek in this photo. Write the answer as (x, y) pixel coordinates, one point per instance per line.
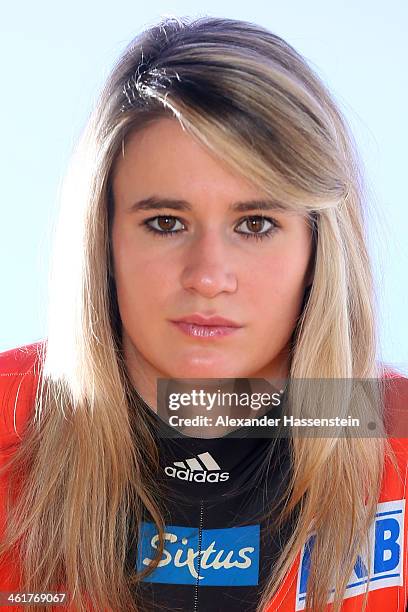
(278, 282)
(143, 278)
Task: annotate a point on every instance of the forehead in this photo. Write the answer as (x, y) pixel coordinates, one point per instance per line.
(165, 156)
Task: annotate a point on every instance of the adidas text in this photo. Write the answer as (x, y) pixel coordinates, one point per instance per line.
(196, 476)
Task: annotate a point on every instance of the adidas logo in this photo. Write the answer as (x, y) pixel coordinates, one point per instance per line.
(193, 470)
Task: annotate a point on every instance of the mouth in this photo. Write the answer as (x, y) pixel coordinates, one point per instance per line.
(198, 326)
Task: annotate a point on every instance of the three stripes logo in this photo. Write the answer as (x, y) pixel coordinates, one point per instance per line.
(202, 468)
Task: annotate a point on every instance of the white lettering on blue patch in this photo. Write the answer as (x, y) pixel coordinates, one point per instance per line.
(229, 557)
(386, 539)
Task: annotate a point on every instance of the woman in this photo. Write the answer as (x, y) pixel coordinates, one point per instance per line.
(211, 227)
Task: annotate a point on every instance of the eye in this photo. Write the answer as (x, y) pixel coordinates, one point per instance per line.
(164, 225)
(257, 226)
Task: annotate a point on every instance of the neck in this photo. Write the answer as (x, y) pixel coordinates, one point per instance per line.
(144, 377)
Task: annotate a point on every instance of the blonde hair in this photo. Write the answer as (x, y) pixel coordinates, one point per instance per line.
(88, 455)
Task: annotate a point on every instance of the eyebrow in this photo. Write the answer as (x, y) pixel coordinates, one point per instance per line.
(156, 203)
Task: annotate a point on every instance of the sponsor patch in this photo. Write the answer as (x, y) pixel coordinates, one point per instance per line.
(387, 542)
(229, 557)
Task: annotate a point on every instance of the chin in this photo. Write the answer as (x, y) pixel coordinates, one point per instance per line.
(206, 370)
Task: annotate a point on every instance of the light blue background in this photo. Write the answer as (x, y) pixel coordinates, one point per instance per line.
(55, 56)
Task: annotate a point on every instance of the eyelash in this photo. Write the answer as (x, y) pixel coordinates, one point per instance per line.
(169, 233)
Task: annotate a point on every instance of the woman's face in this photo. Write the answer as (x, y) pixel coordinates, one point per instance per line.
(222, 259)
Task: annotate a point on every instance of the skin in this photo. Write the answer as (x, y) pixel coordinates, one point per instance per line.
(209, 266)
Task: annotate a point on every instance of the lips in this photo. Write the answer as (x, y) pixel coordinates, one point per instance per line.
(200, 327)
(213, 321)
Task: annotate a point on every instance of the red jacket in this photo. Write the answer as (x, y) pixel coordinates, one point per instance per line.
(19, 372)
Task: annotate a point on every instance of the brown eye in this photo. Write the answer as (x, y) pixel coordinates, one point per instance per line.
(166, 223)
(256, 226)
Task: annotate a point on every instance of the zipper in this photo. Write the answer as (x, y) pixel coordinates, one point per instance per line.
(200, 538)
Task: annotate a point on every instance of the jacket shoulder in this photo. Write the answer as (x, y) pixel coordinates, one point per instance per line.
(21, 360)
(19, 376)
(396, 405)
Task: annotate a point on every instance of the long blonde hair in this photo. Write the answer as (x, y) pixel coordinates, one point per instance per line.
(88, 455)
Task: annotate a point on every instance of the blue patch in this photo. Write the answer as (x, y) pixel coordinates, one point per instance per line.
(386, 541)
(229, 557)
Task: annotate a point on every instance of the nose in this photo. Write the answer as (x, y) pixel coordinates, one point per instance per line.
(207, 269)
